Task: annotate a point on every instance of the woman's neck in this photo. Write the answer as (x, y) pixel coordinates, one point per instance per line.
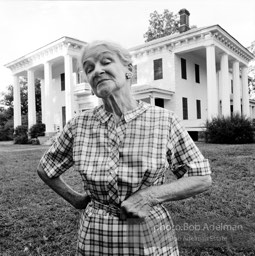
(119, 104)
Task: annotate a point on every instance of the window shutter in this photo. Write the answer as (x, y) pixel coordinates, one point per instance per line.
(197, 75)
(62, 79)
(185, 108)
(198, 109)
(183, 68)
(158, 69)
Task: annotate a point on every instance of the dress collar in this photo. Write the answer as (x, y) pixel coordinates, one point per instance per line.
(134, 113)
(102, 115)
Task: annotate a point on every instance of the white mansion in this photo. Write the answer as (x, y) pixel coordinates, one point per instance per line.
(198, 73)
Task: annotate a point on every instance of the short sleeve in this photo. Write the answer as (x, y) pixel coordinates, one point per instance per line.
(59, 157)
(182, 153)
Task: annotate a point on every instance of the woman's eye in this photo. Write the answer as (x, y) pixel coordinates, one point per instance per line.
(106, 61)
(88, 70)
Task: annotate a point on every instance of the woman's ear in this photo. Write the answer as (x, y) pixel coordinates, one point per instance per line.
(130, 67)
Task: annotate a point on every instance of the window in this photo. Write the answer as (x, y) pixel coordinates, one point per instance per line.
(183, 68)
(185, 108)
(62, 79)
(159, 102)
(197, 76)
(198, 109)
(63, 116)
(134, 78)
(158, 69)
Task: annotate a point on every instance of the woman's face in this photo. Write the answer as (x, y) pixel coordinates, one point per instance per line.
(105, 72)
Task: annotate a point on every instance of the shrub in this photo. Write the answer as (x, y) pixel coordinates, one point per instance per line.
(3, 135)
(37, 130)
(9, 124)
(9, 129)
(34, 141)
(6, 134)
(24, 119)
(236, 129)
(20, 135)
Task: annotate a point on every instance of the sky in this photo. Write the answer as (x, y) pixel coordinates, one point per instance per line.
(28, 25)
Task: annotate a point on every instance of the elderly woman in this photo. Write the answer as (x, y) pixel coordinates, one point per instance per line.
(123, 149)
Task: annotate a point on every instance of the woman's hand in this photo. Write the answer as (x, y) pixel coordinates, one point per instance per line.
(139, 204)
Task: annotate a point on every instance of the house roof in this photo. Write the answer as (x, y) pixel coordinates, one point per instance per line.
(64, 39)
(167, 40)
(217, 30)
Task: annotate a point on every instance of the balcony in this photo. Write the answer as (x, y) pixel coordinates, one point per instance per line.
(82, 89)
(147, 91)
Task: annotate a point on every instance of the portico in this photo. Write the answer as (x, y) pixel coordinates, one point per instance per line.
(226, 63)
(233, 87)
(47, 64)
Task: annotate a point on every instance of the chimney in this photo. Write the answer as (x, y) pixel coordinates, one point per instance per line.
(184, 20)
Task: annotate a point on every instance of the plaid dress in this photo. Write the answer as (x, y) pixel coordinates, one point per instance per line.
(116, 161)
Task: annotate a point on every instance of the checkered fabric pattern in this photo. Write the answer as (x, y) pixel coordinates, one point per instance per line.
(116, 161)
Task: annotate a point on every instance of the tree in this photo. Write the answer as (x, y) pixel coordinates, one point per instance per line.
(251, 72)
(3, 119)
(162, 25)
(7, 100)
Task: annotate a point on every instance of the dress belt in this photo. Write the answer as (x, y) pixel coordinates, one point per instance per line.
(108, 209)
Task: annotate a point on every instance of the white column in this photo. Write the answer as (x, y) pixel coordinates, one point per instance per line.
(31, 98)
(69, 90)
(245, 98)
(212, 92)
(16, 101)
(152, 100)
(236, 89)
(224, 83)
(48, 119)
(43, 100)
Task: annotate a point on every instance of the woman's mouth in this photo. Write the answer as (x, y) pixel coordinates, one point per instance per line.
(101, 81)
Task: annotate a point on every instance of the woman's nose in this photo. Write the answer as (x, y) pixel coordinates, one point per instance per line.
(98, 70)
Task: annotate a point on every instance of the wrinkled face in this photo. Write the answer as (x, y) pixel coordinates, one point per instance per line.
(104, 71)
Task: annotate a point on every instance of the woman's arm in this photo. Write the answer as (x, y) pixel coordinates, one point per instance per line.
(181, 188)
(79, 201)
(140, 203)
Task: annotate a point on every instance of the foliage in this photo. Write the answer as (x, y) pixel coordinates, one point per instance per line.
(20, 135)
(251, 87)
(236, 129)
(6, 127)
(37, 130)
(162, 25)
(6, 134)
(251, 72)
(3, 119)
(5, 115)
(7, 100)
(8, 96)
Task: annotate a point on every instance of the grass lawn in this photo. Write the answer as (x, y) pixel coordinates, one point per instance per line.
(221, 221)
